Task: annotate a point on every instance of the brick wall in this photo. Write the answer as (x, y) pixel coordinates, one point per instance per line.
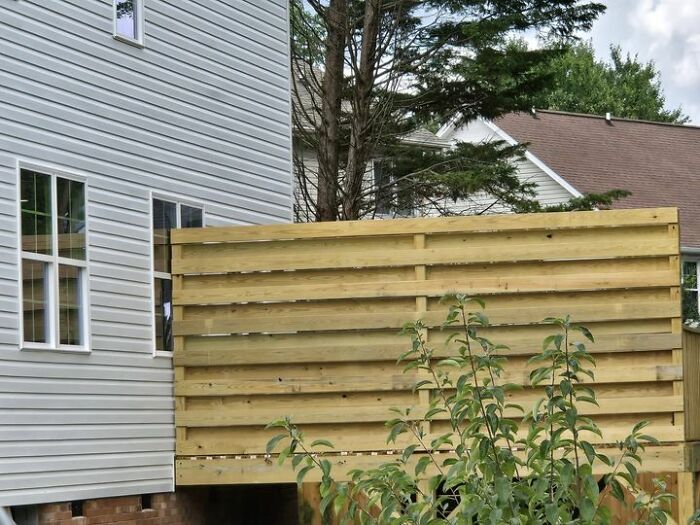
(186, 507)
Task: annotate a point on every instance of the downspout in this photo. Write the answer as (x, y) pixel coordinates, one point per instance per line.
(5, 518)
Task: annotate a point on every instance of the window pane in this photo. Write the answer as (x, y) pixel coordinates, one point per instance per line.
(690, 275)
(164, 314)
(164, 219)
(690, 306)
(69, 305)
(126, 18)
(71, 218)
(190, 217)
(35, 301)
(36, 212)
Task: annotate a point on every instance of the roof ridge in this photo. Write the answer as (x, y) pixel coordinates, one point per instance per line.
(614, 118)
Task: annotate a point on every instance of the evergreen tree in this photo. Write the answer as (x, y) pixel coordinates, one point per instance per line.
(368, 72)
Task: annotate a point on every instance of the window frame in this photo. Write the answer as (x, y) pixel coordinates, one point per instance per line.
(694, 259)
(140, 24)
(54, 261)
(178, 202)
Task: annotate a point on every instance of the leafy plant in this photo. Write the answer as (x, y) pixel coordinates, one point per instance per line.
(500, 463)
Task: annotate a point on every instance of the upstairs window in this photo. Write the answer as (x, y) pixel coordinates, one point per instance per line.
(53, 262)
(166, 216)
(129, 21)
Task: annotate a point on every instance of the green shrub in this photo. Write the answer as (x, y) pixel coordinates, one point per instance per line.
(532, 468)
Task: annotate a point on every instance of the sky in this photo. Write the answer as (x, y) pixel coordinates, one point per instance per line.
(665, 31)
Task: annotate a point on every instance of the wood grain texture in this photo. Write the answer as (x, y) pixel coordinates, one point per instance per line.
(303, 321)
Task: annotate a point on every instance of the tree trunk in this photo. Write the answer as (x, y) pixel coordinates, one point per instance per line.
(360, 148)
(331, 105)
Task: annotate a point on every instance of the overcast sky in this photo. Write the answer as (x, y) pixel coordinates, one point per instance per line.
(665, 31)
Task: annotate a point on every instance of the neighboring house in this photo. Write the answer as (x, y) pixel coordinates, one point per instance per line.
(118, 121)
(571, 154)
(306, 106)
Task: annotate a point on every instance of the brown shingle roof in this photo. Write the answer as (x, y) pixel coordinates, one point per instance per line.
(658, 163)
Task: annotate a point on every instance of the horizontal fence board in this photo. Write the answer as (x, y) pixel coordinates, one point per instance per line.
(223, 471)
(374, 321)
(550, 221)
(223, 353)
(332, 415)
(303, 321)
(362, 383)
(433, 288)
(223, 258)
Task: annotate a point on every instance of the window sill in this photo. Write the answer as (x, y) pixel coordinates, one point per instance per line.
(130, 41)
(55, 349)
(163, 353)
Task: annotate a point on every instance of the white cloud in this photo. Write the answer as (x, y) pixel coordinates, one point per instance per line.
(687, 69)
(665, 31)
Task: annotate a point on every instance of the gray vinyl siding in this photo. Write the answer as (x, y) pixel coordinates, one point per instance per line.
(201, 114)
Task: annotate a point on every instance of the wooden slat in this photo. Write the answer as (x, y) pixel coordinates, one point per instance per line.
(503, 316)
(434, 288)
(691, 367)
(287, 385)
(222, 352)
(227, 260)
(221, 471)
(314, 415)
(549, 221)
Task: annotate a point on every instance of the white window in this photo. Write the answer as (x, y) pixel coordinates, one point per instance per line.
(691, 309)
(53, 261)
(167, 215)
(129, 21)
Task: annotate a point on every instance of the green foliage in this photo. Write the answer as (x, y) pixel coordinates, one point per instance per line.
(367, 73)
(587, 202)
(508, 464)
(624, 86)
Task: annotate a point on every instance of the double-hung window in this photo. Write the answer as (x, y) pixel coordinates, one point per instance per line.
(129, 21)
(166, 216)
(691, 309)
(53, 261)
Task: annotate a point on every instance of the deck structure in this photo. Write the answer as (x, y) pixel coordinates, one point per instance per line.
(302, 321)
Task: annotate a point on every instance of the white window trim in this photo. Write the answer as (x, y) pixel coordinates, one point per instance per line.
(140, 18)
(696, 260)
(178, 201)
(54, 261)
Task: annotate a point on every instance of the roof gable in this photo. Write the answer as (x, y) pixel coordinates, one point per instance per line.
(658, 163)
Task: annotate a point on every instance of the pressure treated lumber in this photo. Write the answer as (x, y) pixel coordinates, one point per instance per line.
(303, 321)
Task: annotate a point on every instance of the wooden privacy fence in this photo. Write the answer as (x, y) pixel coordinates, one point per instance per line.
(303, 320)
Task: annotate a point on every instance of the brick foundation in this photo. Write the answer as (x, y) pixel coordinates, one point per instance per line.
(223, 505)
(185, 507)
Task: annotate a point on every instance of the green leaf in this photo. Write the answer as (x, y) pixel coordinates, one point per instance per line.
(617, 490)
(274, 442)
(587, 509)
(302, 473)
(322, 443)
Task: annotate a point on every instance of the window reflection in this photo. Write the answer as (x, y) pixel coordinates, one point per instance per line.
(69, 299)
(35, 301)
(36, 212)
(164, 314)
(164, 220)
(126, 18)
(71, 219)
(190, 217)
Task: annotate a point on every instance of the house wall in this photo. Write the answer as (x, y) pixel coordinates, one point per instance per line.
(548, 191)
(200, 113)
